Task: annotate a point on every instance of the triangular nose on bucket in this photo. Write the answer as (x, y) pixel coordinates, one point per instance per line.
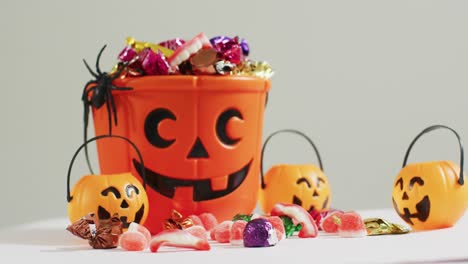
(198, 151)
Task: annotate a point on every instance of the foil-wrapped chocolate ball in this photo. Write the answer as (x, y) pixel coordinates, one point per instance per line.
(260, 233)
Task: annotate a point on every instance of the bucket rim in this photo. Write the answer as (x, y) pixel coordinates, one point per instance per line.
(215, 83)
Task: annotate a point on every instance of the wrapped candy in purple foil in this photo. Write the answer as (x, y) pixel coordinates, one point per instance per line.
(259, 233)
(153, 63)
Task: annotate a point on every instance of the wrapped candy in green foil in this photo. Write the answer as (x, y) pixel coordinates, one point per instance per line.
(378, 226)
(245, 217)
(289, 227)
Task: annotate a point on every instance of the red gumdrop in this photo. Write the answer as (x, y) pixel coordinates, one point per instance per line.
(278, 225)
(351, 225)
(209, 220)
(330, 222)
(222, 232)
(133, 241)
(237, 232)
(135, 227)
(198, 231)
(196, 220)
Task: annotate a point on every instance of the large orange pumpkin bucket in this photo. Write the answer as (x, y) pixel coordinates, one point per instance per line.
(200, 137)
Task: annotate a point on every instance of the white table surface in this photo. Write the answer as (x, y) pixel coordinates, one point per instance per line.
(49, 242)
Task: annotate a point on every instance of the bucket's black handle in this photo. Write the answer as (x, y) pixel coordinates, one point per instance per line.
(432, 128)
(286, 131)
(140, 157)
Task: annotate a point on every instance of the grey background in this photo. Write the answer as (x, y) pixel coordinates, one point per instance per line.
(362, 78)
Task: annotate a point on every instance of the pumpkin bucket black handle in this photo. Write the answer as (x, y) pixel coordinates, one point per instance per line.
(432, 128)
(140, 157)
(292, 131)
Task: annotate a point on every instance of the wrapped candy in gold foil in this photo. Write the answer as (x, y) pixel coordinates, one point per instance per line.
(140, 45)
(253, 68)
(378, 226)
(177, 221)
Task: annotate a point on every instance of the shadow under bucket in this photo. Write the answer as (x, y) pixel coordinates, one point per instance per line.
(200, 137)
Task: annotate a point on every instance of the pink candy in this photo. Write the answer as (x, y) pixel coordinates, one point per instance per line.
(133, 241)
(222, 232)
(350, 224)
(278, 225)
(209, 220)
(196, 220)
(329, 223)
(136, 238)
(198, 231)
(178, 238)
(188, 49)
(237, 232)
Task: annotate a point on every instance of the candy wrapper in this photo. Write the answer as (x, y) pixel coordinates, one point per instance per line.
(100, 233)
(378, 226)
(177, 221)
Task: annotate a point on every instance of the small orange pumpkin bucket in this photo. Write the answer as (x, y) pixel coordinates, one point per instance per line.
(305, 185)
(430, 195)
(200, 137)
(105, 195)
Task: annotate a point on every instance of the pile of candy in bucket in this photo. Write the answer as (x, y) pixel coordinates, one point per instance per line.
(119, 210)
(219, 55)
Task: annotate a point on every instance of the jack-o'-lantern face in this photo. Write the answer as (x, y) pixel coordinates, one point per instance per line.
(428, 196)
(304, 185)
(106, 195)
(200, 137)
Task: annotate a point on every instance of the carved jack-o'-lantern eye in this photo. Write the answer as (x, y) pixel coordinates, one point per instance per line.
(151, 127)
(399, 182)
(303, 180)
(319, 181)
(221, 125)
(131, 190)
(415, 180)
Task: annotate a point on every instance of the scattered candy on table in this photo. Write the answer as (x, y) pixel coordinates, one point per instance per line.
(260, 233)
(237, 232)
(378, 226)
(298, 214)
(100, 233)
(178, 238)
(350, 224)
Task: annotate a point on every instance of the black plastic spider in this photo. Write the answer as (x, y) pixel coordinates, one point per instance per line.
(98, 92)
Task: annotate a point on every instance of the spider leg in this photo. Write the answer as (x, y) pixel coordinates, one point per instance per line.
(86, 91)
(89, 69)
(118, 88)
(110, 98)
(85, 133)
(109, 116)
(98, 69)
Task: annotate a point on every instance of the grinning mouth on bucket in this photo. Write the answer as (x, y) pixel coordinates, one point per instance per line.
(202, 189)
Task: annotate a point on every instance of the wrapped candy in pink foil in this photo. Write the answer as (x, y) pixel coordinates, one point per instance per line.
(153, 63)
(172, 44)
